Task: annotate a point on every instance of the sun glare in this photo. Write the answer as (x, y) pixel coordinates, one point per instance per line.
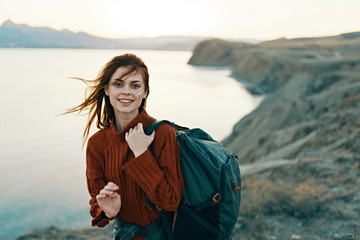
(149, 18)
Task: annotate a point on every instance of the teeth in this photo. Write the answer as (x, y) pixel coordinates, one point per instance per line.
(126, 101)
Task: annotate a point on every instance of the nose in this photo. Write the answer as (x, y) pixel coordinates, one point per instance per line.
(126, 90)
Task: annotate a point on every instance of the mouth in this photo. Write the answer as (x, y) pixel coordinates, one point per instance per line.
(126, 100)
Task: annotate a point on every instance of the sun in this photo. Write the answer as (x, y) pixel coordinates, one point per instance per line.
(152, 18)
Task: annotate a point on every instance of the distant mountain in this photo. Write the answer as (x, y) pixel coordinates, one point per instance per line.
(14, 35)
(23, 36)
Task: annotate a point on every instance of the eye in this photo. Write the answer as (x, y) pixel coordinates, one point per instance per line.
(118, 84)
(135, 86)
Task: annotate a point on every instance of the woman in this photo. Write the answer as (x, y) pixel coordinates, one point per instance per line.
(121, 171)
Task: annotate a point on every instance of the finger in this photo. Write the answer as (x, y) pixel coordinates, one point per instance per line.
(140, 127)
(126, 135)
(152, 136)
(109, 194)
(111, 186)
(100, 197)
(106, 193)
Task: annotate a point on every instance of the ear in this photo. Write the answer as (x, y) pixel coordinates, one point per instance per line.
(106, 91)
(146, 93)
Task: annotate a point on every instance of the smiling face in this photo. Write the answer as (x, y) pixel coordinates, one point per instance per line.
(126, 92)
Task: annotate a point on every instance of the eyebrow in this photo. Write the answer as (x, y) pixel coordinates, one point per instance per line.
(120, 80)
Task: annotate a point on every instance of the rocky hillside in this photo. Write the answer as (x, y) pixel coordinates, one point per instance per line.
(266, 66)
(299, 151)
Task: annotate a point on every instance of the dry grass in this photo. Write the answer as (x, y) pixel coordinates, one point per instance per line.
(280, 197)
(350, 100)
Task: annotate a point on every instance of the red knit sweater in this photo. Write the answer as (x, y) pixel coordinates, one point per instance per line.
(109, 159)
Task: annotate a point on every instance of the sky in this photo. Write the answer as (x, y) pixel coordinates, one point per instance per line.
(255, 19)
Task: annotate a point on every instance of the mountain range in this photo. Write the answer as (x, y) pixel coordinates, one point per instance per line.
(14, 35)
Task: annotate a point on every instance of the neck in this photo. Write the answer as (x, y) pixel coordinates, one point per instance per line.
(122, 120)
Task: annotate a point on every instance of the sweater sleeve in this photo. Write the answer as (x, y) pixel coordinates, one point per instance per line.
(160, 175)
(95, 182)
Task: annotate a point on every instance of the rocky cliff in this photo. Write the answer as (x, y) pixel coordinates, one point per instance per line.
(299, 151)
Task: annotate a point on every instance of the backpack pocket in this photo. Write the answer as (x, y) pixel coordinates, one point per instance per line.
(231, 191)
(194, 224)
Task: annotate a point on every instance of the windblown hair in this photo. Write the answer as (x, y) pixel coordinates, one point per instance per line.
(97, 104)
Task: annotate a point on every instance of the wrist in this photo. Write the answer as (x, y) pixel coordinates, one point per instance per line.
(105, 215)
(138, 153)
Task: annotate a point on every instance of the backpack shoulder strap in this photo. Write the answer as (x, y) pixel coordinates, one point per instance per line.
(154, 125)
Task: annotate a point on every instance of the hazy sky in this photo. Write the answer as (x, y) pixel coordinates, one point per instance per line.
(258, 19)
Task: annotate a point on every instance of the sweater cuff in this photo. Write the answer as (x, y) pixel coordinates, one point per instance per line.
(145, 171)
(100, 219)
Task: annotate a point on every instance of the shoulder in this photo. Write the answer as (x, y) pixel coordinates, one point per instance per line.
(165, 144)
(165, 134)
(165, 129)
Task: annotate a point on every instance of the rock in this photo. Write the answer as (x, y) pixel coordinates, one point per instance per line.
(60, 234)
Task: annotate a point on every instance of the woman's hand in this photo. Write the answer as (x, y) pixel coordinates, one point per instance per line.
(137, 140)
(109, 200)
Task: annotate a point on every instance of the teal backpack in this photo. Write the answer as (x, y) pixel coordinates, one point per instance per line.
(212, 191)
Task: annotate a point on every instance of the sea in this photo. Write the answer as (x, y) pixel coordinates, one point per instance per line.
(42, 162)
